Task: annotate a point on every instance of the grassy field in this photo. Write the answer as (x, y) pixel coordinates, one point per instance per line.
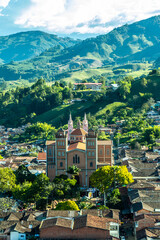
(111, 107)
(60, 115)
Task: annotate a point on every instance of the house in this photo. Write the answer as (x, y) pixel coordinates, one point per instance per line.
(79, 147)
(106, 130)
(18, 225)
(41, 157)
(152, 114)
(114, 86)
(81, 227)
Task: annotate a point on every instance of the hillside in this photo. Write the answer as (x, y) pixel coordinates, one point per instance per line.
(26, 45)
(136, 42)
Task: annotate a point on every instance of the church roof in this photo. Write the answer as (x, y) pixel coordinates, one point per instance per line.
(78, 145)
(79, 131)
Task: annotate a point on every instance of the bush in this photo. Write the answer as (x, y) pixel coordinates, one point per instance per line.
(67, 205)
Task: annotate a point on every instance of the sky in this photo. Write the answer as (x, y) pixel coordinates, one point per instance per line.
(73, 18)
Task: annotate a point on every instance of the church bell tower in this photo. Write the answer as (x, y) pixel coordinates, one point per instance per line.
(85, 123)
(70, 126)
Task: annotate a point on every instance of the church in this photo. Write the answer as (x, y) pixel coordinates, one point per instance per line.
(78, 147)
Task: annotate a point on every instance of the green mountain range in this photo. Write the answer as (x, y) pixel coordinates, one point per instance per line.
(26, 45)
(139, 41)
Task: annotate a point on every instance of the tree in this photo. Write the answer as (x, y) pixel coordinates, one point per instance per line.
(150, 135)
(74, 171)
(124, 88)
(109, 178)
(32, 192)
(67, 205)
(64, 187)
(103, 136)
(7, 180)
(40, 130)
(23, 174)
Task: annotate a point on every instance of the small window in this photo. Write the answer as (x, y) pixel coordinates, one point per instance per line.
(61, 164)
(78, 160)
(113, 227)
(63, 154)
(88, 143)
(50, 152)
(108, 152)
(92, 153)
(89, 154)
(100, 152)
(91, 164)
(63, 143)
(59, 153)
(74, 159)
(93, 143)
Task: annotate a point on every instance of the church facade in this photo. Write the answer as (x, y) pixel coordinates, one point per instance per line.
(78, 147)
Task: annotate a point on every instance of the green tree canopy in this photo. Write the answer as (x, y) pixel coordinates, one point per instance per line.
(109, 178)
(7, 180)
(73, 170)
(23, 174)
(40, 131)
(67, 205)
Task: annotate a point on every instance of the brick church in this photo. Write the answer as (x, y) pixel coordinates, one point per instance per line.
(77, 147)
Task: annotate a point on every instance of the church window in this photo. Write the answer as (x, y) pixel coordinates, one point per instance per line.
(108, 152)
(61, 164)
(91, 164)
(59, 153)
(50, 152)
(76, 159)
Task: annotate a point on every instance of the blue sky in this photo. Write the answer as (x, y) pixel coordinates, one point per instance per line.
(74, 18)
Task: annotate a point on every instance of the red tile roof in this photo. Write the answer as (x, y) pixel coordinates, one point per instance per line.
(79, 131)
(78, 145)
(42, 156)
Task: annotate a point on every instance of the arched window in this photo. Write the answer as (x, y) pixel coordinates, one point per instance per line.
(76, 159)
(91, 164)
(61, 164)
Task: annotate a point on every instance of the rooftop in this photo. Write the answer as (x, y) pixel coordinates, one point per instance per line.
(78, 145)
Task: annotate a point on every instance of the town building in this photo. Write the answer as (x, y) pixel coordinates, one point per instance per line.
(81, 227)
(79, 147)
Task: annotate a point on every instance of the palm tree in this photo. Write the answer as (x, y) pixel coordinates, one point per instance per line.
(73, 170)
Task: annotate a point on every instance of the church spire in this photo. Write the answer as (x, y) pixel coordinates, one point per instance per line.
(79, 124)
(70, 126)
(85, 123)
(70, 117)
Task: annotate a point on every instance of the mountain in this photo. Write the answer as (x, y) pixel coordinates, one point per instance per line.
(135, 42)
(26, 45)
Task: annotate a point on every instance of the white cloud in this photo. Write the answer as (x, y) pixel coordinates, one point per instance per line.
(4, 3)
(85, 16)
